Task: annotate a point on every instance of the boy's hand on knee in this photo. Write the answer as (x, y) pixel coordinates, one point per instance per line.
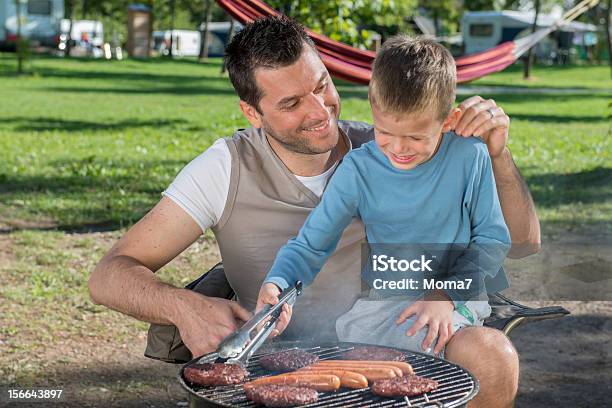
(436, 312)
(268, 295)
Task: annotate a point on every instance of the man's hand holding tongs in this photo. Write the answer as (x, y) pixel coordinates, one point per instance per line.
(268, 294)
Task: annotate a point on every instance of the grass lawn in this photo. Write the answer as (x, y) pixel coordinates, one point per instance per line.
(86, 147)
(92, 144)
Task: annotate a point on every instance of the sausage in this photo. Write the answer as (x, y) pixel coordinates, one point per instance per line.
(371, 373)
(319, 382)
(404, 367)
(363, 364)
(395, 370)
(348, 379)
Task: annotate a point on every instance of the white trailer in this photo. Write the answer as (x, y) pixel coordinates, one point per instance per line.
(185, 43)
(485, 29)
(40, 21)
(91, 30)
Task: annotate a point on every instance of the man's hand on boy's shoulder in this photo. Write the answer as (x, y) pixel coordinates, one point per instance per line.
(482, 117)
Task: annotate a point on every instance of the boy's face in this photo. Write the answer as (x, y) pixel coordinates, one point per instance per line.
(408, 139)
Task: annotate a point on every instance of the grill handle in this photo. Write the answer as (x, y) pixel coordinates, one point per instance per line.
(238, 347)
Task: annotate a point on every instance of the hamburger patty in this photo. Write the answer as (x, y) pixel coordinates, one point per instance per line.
(212, 374)
(288, 360)
(374, 353)
(406, 386)
(280, 395)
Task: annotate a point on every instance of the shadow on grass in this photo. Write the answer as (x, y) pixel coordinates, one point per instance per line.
(554, 189)
(116, 70)
(44, 123)
(560, 119)
(112, 75)
(361, 92)
(111, 194)
(168, 90)
(90, 194)
(10, 58)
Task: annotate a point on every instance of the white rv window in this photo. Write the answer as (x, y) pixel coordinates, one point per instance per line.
(481, 30)
(42, 7)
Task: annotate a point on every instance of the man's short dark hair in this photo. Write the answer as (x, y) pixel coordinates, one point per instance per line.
(271, 42)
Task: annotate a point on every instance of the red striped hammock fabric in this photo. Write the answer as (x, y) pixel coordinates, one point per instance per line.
(355, 65)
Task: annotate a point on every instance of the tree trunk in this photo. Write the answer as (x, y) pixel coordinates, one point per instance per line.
(229, 38)
(172, 10)
(436, 20)
(19, 44)
(205, 33)
(609, 35)
(70, 5)
(531, 54)
(84, 9)
(68, 38)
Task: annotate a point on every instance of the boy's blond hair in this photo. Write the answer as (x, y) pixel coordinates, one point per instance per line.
(413, 75)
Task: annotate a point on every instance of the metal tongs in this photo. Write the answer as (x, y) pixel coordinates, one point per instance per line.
(239, 346)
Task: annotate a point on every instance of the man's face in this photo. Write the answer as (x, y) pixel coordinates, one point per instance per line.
(407, 139)
(300, 105)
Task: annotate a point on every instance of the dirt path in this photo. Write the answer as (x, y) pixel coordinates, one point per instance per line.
(96, 355)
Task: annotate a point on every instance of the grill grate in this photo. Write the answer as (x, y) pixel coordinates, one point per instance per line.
(456, 385)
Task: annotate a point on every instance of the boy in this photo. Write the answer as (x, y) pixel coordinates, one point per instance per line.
(413, 186)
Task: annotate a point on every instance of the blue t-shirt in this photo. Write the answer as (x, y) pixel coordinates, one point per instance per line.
(450, 199)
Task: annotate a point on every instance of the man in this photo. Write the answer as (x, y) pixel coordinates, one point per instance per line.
(254, 191)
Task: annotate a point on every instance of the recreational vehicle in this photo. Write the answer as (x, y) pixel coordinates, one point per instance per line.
(186, 43)
(40, 22)
(485, 29)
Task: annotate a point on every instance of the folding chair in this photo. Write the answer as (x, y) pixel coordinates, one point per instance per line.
(507, 314)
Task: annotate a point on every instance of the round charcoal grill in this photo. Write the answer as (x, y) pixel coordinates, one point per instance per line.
(456, 385)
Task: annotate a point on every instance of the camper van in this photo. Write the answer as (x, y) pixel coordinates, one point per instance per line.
(80, 29)
(186, 43)
(40, 22)
(485, 29)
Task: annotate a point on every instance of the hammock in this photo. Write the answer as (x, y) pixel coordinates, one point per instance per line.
(355, 65)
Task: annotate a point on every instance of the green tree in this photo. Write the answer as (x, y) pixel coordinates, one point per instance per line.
(479, 5)
(348, 20)
(201, 12)
(444, 13)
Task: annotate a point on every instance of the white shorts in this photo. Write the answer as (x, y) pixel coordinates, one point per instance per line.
(373, 322)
